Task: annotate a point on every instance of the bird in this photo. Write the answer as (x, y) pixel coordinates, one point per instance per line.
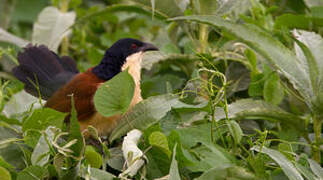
(53, 78)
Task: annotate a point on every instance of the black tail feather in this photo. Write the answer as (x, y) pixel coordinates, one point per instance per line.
(43, 70)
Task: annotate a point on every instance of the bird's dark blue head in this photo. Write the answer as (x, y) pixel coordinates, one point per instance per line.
(117, 54)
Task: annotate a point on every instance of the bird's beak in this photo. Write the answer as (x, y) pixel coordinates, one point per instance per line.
(148, 47)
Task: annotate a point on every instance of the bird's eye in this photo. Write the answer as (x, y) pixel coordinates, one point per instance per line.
(134, 46)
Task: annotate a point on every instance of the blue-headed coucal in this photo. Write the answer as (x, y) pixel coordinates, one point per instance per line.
(55, 78)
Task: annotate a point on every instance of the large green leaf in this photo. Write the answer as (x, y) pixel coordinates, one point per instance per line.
(287, 166)
(114, 96)
(262, 42)
(52, 25)
(148, 112)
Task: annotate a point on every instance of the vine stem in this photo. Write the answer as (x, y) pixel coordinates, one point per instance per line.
(65, 43)
(317, 131)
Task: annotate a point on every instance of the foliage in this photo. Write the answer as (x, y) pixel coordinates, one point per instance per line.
(235, 91)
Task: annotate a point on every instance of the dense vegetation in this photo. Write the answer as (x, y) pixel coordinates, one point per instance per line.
(235, 92)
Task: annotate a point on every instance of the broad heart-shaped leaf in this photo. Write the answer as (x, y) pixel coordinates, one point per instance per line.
(288, 167)
(51, 26)
(262, 42)
(148, 112)
(114, 96)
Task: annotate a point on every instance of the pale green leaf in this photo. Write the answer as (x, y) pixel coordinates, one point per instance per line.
(287, 166)
(316, 168)
(51, 26)
(173, 171)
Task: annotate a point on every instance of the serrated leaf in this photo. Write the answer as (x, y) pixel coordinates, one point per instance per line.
(114, 96)
(273, 90)
(51, 26)
(288, 167)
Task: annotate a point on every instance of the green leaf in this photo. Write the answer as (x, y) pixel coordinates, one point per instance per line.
(92, 157)
(114, 96)
(4, 174)
(75, 133)
(225, 172)
(306, 173)
(158, 139)
(273, 90)
(288, 167)
(32, 173)
(5, 164)
(256, 85)
(262, 42)
(52, 25)
(139, 9)
(147, 113)
(173, 171)
(40, 155)
(316, 168)
(169, 7)
(96, 174)
(236, 131)
(40, 119)
(292, 21)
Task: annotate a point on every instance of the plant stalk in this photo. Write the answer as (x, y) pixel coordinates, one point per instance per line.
(317, 131)
(203, 37)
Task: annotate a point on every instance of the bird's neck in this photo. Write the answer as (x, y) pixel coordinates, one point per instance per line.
(108, 67)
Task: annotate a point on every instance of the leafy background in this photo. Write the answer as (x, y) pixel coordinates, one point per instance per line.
(235, 91)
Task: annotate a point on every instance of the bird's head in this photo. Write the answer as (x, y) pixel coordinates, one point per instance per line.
(122, 54)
